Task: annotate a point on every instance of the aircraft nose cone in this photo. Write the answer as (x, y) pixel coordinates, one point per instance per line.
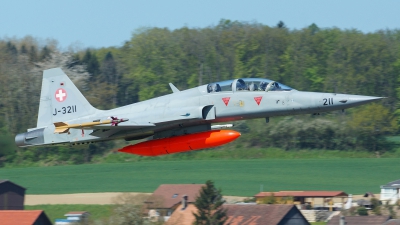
(362, 99)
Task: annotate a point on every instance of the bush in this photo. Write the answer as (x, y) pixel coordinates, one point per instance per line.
(376, 208)
(362, 211)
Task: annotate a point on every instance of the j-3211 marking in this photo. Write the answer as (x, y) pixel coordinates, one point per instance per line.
(64, 110)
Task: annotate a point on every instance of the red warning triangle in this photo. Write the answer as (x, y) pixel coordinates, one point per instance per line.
(226, 100)
(258, 100)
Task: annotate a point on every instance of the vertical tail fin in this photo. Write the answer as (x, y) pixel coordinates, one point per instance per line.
(60, 100)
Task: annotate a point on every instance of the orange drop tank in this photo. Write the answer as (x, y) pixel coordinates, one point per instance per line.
(184, 143)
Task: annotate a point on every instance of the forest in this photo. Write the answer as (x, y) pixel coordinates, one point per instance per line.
(309, 59)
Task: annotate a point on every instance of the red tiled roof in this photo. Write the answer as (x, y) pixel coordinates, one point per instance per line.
(303, 194)
(256, 214)
(181, 217)
(356, 220)
(168, 195)
(238, 214)
(19, 217)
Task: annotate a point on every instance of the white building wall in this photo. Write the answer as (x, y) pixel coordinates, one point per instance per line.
(390, 194)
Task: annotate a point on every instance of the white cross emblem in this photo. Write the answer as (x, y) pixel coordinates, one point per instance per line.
(60, 94)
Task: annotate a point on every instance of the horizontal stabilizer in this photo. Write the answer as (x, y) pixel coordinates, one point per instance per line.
(61, 130)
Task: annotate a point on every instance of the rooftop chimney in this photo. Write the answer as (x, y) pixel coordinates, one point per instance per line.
(184, 202)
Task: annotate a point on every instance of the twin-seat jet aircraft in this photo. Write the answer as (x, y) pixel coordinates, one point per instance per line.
(177, 122)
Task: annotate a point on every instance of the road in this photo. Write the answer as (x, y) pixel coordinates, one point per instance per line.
(105, 198)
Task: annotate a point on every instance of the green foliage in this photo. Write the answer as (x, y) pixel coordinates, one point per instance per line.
(45, 53)
(209, 206)
(92, 64)
(33, 55)
(301, 133)
(129, 210)
(281, 25)
(7, 146)
(23, 50)
(376, 207)
(269, 200)
(362, 211)
(371, 123)
(275, 174)
(309, 59)
(11, 48)
(392, 212)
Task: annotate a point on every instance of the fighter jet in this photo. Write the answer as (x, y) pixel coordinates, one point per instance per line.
(177, 122)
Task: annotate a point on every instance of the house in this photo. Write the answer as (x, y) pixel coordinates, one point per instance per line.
(168, 197)
(23, 217)
(278, 214)
(356, 220)
(390, 192)
(11, 196)
(302, 197)
(74, 218)
(182, 216)
(246, 214)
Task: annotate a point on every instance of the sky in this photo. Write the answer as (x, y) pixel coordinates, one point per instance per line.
(101, 23)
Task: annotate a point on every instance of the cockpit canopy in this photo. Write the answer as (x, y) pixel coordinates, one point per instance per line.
(247, 84)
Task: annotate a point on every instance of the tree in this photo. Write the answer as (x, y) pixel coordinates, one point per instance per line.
(281, 24)
(10, 48)
(209, 206)
(313, 28)
(33, 55)
(372, 122)
(45, 53)
(128, 210)
(376, 208)
(23, 50)
(109, 69)
(92, 64)
(7, 150)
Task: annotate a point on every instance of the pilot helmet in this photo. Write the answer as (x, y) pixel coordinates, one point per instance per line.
(263, 85)
(240, 85)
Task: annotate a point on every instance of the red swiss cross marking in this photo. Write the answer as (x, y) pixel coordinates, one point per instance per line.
(258, 100)
(60, 95)
(226, 100)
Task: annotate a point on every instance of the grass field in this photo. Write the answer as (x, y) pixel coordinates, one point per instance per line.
(58, 211)
(234, 177)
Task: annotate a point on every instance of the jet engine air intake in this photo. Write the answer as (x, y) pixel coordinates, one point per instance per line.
(208, 112)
